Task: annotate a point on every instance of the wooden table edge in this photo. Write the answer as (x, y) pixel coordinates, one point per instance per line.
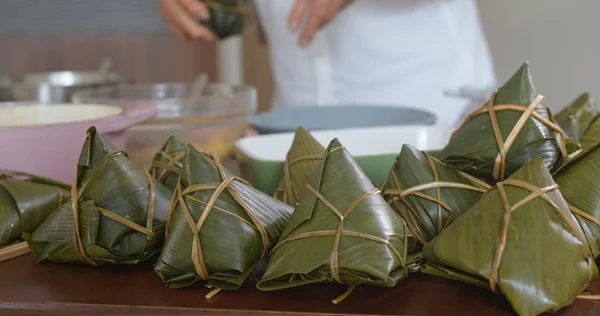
(52, 308)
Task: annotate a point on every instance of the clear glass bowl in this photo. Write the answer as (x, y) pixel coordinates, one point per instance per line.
(212, 121)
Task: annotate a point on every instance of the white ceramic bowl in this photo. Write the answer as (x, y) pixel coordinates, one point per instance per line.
(375, 149)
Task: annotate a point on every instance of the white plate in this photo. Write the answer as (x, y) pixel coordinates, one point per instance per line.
(44, 114)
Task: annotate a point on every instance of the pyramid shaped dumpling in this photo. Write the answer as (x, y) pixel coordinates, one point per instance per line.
(301, 163)
(342, 231)
(505, 134)
(520, 240)
(427, 194)
(219, 227)
(117, 212)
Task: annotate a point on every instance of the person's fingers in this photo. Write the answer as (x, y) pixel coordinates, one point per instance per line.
(196, 8)
(313, 23)
(167, 16)
(298, 13)
(181, 21)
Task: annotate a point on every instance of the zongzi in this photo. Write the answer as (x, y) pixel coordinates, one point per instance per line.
(25, 202)
(166, 165)
(117, 212)
(301, 163)
(343, 231)
(575, 118)
(519, 240)
(592, 134)
(427, 194)
(578, 181)
(506, 133)
(226, 16)
(219, 227)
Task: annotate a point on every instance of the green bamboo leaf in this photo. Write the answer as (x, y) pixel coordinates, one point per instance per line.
(226, 16)
(474, 149)
(427, 194)
(578, 181)
(522, 240)
(234, 234)
(301, 163)
(167, 163)
(591, 135)
(25, 203)
(120, 209)
(576, 117)
(368, 246)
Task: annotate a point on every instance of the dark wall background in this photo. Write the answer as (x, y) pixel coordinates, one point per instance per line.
(46, 35)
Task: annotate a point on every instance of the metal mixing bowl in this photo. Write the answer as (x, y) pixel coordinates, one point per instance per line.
(55, 87)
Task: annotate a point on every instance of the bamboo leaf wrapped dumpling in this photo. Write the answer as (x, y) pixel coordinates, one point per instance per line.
(25, 202)
(219, 227)
(505, 134)
(166, 165)
(575, 118)
(520, 240)
(427, 194)
(117, 212)
(343, 231)
(301, 163)
(578, 181)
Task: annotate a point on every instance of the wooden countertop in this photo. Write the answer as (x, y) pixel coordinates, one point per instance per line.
(27, 288)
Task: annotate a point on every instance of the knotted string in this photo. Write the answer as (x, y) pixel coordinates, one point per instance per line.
(77, 194)
(504, 146)
(172, 164)
(217, 188)
(415, 218)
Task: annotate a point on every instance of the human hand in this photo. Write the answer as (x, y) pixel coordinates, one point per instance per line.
(181, 15)
(317, 14)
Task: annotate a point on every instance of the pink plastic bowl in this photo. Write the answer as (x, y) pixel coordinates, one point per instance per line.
(51, 148)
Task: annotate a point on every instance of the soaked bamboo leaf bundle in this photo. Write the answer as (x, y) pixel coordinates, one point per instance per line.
(519, 240)
(301, 163)
(506, 133)
(343, 231)
(117, 212)
(427, 194)
(219, 227)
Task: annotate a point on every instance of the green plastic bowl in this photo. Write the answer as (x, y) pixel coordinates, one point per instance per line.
(374, 149)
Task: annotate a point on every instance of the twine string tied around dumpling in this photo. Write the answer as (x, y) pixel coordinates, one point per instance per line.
(172, 165)
(288, 186)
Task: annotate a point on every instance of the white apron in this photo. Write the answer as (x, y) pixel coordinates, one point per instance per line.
(382, 52)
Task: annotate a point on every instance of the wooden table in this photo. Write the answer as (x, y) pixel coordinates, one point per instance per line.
(27, 288)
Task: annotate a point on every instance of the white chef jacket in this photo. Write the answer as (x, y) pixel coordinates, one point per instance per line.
(381, 52)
